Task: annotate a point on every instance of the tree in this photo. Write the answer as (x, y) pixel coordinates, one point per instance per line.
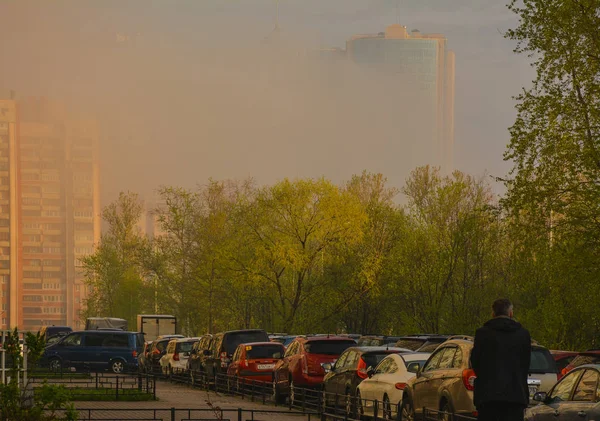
(293, 227)
(553, 192)
(444, 265)
(113, 272)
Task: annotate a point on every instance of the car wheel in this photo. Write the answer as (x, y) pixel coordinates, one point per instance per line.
(387, 408)
(407, 412)
(117, 366)
(55, 365)
(360, 410)
(446, 411)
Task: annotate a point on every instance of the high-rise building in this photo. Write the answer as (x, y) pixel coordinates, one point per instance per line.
(423, 62)
(49, 161)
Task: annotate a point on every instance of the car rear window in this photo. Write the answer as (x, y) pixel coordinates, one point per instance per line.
(584, 359)
(542, 361)
(264, 351)
(372, 358)
(412, 344)
(330, 347)
(185, 346)
(236, 338)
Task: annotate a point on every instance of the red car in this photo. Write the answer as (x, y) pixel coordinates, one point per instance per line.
(255, 361)
(302, 364)
(587, 357)
(563, 359)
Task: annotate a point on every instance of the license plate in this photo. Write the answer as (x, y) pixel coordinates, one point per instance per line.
(532, 390)
(265, 366)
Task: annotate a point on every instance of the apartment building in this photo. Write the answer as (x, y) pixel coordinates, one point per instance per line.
(54, 212)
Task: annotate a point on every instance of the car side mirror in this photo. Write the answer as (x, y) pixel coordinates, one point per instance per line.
(413, 367)
(327, 367)
(540, 396)
(370, 372)
(207, 353)
(419, 372)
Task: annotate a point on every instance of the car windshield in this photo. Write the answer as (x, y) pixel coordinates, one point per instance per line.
(372, 358)
(236, 338)
(327, 347)
(264, 351)
(542, 361)
(412, 344)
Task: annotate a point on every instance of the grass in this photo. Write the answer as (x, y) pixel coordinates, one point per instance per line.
(109, 395)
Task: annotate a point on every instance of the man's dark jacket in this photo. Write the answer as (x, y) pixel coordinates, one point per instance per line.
(500, 358)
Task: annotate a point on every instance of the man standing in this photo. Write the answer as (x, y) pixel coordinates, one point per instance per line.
(500, 358)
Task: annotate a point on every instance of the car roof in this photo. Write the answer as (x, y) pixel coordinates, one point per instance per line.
(242, 331)
(262, 343)
(416, 356)
(107, 331)
(367, 349)
(327, 338)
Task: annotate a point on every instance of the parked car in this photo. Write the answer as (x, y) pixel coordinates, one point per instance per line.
(587, 357)
(143, 356)
(385, 384)
(197, 356)
(285, 340)
(302, 365)
(563, 359)
(377, 340)
(574, 397)
(543, 373)
(255, 361)
(96, 350)
(157, 350)
(52, 334)
(446, 381)
(414, 342)
(176, 355)
(223, 345)
(342, 378)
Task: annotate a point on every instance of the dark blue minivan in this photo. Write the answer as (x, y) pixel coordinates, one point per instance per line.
(96, 350)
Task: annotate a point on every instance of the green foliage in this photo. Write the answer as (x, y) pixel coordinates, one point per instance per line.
(552, 203)
(43, 405)
(114, 272)
(36, 343)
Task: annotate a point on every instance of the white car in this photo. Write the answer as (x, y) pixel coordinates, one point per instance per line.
(176, 356)
(386, 383)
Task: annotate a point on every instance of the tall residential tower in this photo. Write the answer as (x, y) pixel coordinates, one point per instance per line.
(423, 63)
(48, 161)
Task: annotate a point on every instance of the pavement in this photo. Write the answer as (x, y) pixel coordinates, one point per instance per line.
(177, 402)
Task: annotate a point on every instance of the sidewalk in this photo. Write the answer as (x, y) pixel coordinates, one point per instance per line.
(184, 397)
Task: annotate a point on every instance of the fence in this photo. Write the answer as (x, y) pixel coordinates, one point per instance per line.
(330, 406)
(180, 414)
(104, 386)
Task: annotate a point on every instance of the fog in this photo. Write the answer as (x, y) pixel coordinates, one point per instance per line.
(186, 90)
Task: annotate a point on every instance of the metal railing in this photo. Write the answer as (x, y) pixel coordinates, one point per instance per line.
(181, 414)
(314, 401)
(96, 386)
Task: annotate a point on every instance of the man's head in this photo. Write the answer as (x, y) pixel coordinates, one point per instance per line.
(502, 308)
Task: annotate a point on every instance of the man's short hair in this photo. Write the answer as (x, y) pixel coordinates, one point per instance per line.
(501, 307)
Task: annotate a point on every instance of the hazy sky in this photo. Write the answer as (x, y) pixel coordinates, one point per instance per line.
(186, 91)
